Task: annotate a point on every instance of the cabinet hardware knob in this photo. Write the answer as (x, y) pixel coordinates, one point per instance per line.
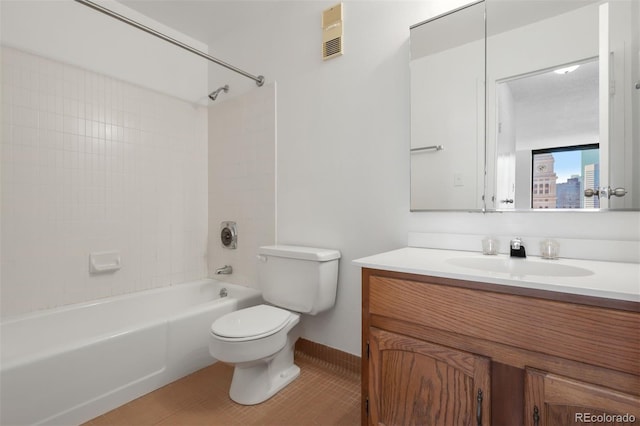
(479, 411)
(605, 192)
(589, 192)
(618, 192)
(536, 416)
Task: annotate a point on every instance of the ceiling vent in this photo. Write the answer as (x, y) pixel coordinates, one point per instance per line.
(332, 32)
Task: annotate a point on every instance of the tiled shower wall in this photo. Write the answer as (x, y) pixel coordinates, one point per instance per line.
(90, 164)
(242, 180)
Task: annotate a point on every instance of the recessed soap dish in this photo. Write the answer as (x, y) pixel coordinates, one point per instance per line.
(104, 261)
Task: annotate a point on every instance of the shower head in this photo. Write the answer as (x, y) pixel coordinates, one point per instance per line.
(213, 95)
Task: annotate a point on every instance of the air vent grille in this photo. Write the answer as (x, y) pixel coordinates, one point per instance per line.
(332, 42)
(332, 48)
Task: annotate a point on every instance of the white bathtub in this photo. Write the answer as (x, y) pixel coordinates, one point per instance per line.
(70, 364)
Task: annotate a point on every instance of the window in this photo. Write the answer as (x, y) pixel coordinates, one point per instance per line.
(560, 175)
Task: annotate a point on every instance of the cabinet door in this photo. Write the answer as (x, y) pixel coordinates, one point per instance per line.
(555, 400)
(413, 382)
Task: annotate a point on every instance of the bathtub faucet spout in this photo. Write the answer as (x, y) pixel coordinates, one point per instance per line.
(225, 270)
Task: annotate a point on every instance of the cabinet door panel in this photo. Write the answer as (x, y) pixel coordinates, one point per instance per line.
(554, 400)
(413, 382)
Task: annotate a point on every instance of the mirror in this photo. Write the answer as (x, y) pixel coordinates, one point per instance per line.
(546, 136)
(562, 111)
(447, 111)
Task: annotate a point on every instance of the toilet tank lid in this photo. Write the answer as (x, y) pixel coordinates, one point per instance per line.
(299, 252)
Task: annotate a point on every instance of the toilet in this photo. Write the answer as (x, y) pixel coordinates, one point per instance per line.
(260, 340)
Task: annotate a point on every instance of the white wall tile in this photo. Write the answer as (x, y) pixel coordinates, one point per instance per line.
(91, 163)
(242, 144)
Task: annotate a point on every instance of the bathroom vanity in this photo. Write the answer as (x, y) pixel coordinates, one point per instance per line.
(449, 344)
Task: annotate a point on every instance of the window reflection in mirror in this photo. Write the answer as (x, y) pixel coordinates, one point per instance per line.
(560, 175)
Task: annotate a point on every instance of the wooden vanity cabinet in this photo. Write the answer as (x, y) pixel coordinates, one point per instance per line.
(555, 400)
(438, 351)
(417, 382)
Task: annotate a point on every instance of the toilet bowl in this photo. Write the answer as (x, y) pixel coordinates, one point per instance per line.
(259, 341)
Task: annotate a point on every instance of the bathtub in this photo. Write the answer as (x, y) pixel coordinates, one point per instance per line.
(68, 365)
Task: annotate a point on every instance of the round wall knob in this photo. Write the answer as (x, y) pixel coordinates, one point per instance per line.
(229, 235)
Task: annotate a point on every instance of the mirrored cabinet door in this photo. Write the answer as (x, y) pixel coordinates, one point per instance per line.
(447, 111)
(560, 104)
(527, 105)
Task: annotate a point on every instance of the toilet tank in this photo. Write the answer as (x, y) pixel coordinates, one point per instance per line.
(301, 279)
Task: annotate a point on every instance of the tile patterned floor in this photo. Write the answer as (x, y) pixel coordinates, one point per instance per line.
(323, 395)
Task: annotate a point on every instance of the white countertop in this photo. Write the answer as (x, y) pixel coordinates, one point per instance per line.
(611, 280)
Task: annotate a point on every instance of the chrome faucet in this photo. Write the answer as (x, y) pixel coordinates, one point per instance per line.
(517, 248)
(225, 270)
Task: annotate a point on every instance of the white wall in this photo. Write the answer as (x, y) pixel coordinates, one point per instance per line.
(92, 162)
(343, 138)
(242, 180)
(343, 142)
(70, 32)
(447, 108)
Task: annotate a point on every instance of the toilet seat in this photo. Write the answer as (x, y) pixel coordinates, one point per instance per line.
(250, 323)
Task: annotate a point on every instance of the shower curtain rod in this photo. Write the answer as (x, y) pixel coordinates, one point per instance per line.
(258, 79)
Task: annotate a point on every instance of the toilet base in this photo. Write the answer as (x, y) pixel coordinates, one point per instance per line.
(255, 378)
(256, 382)
(251, 391)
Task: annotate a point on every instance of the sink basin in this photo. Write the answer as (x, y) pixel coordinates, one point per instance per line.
(520, 267)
